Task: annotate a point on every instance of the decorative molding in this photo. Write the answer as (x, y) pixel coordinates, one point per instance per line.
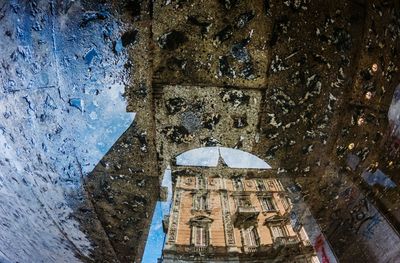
(227, 220)
(172, 234)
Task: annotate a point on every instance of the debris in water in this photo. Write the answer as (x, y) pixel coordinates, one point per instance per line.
(90, 56)
(129, 37)
(172, 40)
(77, 103)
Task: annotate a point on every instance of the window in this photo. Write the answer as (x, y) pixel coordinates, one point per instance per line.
(271, 184)
(278, 231)
(261, 185)
(200, 236)
(243, 201)
(200, 226)
(238, 184)
(188, 181)
(200, 202)
(286, 202)
(250, 237)
(201, 183)
(268, 204)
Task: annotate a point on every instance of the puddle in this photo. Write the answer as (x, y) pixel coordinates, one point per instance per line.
(61, 109)
(156, 238)
(209, 157)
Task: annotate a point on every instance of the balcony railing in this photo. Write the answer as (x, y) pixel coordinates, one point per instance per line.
(286, 241)
(250, 249)
(246, 209)
(245, 213)
(200, 249)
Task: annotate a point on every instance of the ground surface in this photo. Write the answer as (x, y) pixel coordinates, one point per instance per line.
(186, 68)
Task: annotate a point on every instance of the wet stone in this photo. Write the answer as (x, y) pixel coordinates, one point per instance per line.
(224, 67)
(209, 142)
(118, 46)
(247, 71)
(244, 19)
(129, 37)
(50, 103)
(204, 26)
(239, 51)
(90, 55)
(172, 40)
(92, 16)
(279, 27)
(175, 105)
(278, 64)
(142, 90)
(366, 74)
(235, 97)
(142, 137)
(352, 161)
(267, 7)
(270, 153)
(191, 121)
(307, 149)
(239, 121)
(363, 153)
(228, 4)
(209, 121)
(175, 64)
(223, 35)
(77, 103)
(296, 5)
(134, 7)
(177, 134)
(341, 39)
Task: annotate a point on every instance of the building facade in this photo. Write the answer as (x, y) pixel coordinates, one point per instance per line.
(230, 215)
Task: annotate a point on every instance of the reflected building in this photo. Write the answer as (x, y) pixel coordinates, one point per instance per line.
(221, 214)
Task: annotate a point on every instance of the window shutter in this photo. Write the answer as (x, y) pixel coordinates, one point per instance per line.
(252, 237)
(198, 235)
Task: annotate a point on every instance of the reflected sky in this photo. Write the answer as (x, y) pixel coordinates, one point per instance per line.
(61, 109)
(209, 157)
(156, 237)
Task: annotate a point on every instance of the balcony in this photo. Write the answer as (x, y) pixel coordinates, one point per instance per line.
(200, 249)
(245, 214)
(286, 241)
(250, 249)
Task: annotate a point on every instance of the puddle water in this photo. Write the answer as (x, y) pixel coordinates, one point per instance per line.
(156, 237)
(61, 109)
(209, 157)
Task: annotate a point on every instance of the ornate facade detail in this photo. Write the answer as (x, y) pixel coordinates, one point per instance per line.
(247, 219)
(227, 219)
(174, 217)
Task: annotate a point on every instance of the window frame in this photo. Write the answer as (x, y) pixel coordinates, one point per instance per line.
(203, 241)
(282, 230)
(200, 202)
(272, 202)
(260, 184)
(238, 184)
(251, 238)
